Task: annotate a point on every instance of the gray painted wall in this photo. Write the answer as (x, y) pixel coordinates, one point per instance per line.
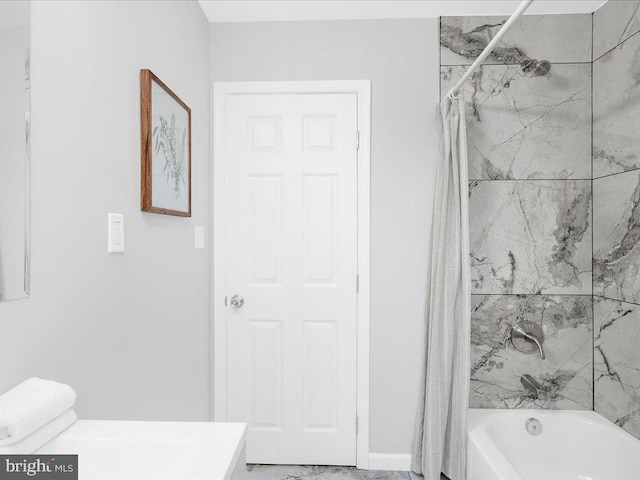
(14, 37)
(401, 59)
(134, 347)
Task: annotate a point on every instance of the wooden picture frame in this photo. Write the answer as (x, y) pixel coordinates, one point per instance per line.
(165, 143)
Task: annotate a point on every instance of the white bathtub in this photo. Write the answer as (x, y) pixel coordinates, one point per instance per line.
(573, 445)
(116, 450)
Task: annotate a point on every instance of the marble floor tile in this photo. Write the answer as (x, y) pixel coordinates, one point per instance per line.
(613, 23)
(565, 374)
(556, 38)
(616, 237)
(617, 363)
(521, 127)
(616, 116)
(415, 476)
(312, 472)
(530, 237)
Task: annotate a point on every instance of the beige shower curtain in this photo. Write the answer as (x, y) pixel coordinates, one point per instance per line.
(440, 444)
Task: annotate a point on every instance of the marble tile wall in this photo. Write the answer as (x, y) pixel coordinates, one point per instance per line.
(616, 250)
(543, 122)
(557, 38)
(554, 207)
(616, 213)
(616, 104)
(613, 23)
(530, 205)
(616, 362)
(530, 237)
(565, 375)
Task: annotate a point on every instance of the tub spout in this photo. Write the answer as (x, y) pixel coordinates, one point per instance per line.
(531, 337)
(531, 385)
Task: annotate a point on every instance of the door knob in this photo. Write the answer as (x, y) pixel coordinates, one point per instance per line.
(237, 301)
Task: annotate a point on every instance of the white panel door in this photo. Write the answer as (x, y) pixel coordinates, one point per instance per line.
(291, 182)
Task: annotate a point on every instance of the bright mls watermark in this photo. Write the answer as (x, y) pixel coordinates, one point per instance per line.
(58, 467)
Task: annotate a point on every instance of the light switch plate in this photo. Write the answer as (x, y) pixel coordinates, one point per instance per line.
(198, 237)
(116, 233)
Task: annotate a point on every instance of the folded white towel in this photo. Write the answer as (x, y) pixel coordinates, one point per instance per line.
(31, 405)
(40, 437)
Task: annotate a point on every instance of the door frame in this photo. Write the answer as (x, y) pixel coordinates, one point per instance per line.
(218, 241)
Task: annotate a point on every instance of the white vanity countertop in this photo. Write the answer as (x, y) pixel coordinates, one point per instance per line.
(127, 450)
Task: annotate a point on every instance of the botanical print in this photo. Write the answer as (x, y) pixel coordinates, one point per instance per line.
(167, 141)
(167, 156)
(170, 123)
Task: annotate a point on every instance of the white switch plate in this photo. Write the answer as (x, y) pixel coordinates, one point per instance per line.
(116, 233)
(198, 237)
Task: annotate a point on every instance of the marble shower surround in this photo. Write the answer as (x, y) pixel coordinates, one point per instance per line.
(556, 38)
(496, 366)
(531, 219)
(617, 362)
(616, 213)
(616, 246)
(613, 23)
(530, 237)
(530, 205)
(616, 109)
(543, 121)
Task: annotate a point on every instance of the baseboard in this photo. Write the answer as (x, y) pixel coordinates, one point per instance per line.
(390, 461)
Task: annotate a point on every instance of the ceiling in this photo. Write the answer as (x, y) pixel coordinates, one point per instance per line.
(299, 10)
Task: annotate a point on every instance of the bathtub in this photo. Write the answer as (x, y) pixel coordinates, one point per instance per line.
(117, 450)
(572, 445)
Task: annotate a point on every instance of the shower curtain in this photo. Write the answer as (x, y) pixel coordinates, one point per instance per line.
(440, 444)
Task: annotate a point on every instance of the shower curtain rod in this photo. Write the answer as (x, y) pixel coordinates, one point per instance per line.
(489, 48)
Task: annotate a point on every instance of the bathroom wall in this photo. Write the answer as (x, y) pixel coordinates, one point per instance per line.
(14, 36)
(129, 331)
(616, 212)
(400, 57)
(530, 205)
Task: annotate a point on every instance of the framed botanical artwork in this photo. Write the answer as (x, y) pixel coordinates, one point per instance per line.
(165, 148)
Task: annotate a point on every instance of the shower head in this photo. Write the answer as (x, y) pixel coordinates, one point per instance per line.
(543, 68)
(535, 68)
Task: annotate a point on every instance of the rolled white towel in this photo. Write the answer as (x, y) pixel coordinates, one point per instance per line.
(40, 437)
(31, 405)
